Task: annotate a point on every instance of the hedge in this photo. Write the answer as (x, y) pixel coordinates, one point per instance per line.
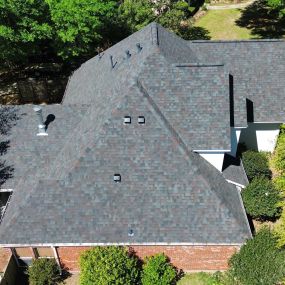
(278, 157)
(108, 265)
(158, 271)
(256, 164)
(261, 199)
(259, 261)
(44, 271)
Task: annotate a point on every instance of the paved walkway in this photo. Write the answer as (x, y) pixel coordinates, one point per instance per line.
(229, 6)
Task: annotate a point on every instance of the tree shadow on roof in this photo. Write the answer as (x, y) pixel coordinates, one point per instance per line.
(8, 117)
(264, 22)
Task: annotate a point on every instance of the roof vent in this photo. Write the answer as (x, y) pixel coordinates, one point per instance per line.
(41, 125)
(127, 120)
(128, 53)
(112, 61)
(139, 47)
(117, 177)
(141, 120)
(131, 233)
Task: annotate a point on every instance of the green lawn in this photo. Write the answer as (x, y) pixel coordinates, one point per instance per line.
(221, 25)
(197, 279)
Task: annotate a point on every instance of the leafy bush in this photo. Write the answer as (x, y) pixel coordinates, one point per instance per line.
(108, 265)
(259, 261)
(44, 271)
(261, 199)
(256, 164)
(158, 271)
(278, 157)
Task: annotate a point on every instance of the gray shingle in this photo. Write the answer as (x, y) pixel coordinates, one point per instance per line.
(258, 69)
(64, 188)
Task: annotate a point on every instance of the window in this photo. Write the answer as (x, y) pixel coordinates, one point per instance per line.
(141, 120)
(127, 120)
(117, 177)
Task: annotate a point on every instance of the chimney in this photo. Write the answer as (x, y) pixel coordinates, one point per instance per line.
(41, 125)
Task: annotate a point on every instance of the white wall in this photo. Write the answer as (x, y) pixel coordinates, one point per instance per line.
(215, 158)
(235, 135)
(260, 136)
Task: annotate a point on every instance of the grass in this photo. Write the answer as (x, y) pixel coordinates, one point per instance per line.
(200, 278)
(221, 25)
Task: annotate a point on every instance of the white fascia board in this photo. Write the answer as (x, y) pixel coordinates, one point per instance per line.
(6, 190)
(274, 122)
(118, 244)
(235, 183)
(210, 151)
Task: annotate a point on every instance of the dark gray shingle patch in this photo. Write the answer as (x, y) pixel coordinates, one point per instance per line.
(233, 170)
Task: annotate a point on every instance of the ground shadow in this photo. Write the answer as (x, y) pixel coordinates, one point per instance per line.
(264, 22)
(198, 33)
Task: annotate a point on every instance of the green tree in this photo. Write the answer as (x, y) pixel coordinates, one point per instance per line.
(261, 199)
(24, 30)
(256, 164)
(44, 271)
(80, 24)
(259, 261)
(108, 265)
(158, 271)
(171, 14)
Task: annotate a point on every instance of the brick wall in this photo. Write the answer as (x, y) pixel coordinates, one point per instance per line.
(188, 258)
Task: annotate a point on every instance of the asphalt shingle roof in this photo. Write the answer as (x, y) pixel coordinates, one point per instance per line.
(63, 183)
(258, 69)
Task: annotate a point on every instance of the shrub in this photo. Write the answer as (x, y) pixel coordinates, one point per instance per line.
(108, 265)
(44, 271)
(261, 199)
(259, 261)
(256, 164)
(278, 157)
(158, 271)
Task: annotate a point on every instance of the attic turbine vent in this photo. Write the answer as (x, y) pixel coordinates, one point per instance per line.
(131, 233)
(141, 120)
(117, 177)
(127, 120)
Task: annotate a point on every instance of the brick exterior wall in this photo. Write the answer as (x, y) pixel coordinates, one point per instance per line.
(187, 258)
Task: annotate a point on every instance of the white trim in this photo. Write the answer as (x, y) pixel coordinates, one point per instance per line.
(118, 244)
(2, 190)
(214, 150)
(56, 258)
(235, 183)
(268, 122)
